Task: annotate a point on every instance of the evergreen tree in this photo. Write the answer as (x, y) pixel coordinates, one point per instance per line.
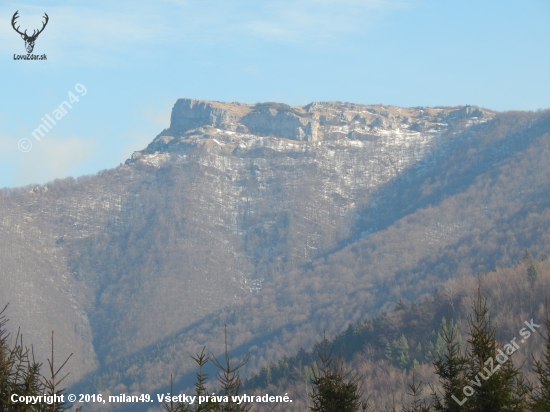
(19, 372)
(440, 344)
(401, 347)
(20, 375)
(230, 381)
(201, 359)
(334, 389)
(388, 353)
(418, 405)
(49, 385)
(401, 305)
(451, 367)
(437, 345)
(532, 272)
(492, 376)
(540, 398)
(430, 350)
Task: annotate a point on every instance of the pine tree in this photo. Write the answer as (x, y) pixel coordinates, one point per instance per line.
(540, 398)
(430, 351)
(492, 375)
(201, 359)
(532, 272)
(20, 374)
(388, 353)
(440, 344)
(230, 381)
(334, 389)
(401, 305)
(418, 405)
(437, 345)
(50, 384)
(402, 349)
(451, 367)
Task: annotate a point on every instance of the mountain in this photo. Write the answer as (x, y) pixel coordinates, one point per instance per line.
(278, 221)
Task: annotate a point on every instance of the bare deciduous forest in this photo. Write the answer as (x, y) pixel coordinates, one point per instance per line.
(282, 237)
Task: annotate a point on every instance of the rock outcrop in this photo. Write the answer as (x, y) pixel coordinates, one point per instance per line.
(467, 111)
(231, 125)
(271, 119)
(190, 114)
(264, 119)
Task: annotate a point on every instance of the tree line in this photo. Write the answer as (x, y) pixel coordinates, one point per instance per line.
(24, 385)
(474, 371)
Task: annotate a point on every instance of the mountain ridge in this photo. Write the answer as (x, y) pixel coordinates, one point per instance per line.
(279, 237)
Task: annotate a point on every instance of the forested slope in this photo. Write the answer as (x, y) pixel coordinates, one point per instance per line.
(384, 349)
(296, 221)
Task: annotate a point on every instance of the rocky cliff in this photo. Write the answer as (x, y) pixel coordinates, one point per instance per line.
(196, 120)
(263, 119)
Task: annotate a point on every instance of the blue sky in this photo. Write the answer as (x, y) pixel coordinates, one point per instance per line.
(135, 58)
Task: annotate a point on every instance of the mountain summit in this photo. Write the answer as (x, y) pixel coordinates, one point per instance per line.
(196, 120)
(277, 221)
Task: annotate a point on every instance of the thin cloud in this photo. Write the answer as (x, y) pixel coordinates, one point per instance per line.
(110, 33)
(319, 20)
(90, 34)
(50, 158)
(156, 119)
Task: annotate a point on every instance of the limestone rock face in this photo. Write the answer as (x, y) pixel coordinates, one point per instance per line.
(234, 126)
(267, 119)
(282, 123)
(189, 114)
(467, 111)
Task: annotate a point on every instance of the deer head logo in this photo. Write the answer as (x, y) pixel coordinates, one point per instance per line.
(29, 40)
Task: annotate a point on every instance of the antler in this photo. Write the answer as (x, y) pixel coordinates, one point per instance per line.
(42, 29)
(34, 33)
(44, 24)
(15, 16)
